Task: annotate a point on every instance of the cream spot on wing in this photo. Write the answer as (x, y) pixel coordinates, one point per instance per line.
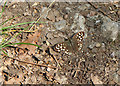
(79, 33)
(61, 44)
(57, 48)
(63, 49)
(66, 52)
(80, 45)
(58, 45)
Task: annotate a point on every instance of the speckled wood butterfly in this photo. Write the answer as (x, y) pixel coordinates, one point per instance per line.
(72, 45)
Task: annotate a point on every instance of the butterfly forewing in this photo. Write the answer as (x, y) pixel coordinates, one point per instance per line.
(78, 39)
(79, 36)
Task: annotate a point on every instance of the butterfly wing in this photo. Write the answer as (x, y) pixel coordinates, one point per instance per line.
(63, 47)
(71, 45)
(77, 40)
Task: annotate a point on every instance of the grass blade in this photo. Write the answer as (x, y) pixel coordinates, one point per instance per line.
(21, 43)
(12, 26)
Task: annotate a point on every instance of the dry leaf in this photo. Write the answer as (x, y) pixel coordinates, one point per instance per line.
(31, 39)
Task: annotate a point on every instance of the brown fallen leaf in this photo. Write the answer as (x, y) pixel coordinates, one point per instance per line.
(31, 39)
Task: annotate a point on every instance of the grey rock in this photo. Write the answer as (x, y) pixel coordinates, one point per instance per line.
(79, 21)
(110, 29)
(60, 24)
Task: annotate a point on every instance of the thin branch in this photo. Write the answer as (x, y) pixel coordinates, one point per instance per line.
(41, 65)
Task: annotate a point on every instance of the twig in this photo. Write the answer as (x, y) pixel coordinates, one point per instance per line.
(33, 63)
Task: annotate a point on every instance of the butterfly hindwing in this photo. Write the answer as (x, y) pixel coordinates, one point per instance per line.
(77, 41)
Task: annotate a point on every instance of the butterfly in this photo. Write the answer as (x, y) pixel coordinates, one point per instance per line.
(72, 45)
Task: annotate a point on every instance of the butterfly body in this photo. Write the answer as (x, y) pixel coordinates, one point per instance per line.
(72, 45)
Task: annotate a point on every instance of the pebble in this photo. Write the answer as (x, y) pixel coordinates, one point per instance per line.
(48, 69)
(98, 45)
(66, 16)
(13, 6)
(91, 46)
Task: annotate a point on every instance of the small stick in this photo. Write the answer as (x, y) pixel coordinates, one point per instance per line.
(33, 63)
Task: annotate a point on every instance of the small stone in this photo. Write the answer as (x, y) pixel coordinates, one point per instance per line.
(65, 16)
(48, 69)
(13, 6)
(98, 45)
(91, 46)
